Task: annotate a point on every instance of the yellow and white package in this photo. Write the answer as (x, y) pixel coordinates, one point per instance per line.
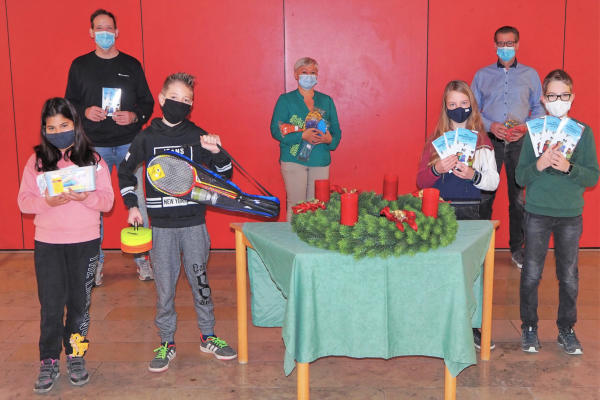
(75, 179)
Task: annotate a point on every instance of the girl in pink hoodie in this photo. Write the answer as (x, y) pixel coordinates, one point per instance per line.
(67, 232)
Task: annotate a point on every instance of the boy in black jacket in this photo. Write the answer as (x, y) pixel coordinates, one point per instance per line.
(178, 226)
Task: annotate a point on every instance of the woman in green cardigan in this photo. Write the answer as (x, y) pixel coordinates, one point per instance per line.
(299, 169)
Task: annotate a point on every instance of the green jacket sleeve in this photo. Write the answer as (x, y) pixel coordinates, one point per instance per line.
(281, 114)
(585, 170)
(527, 171)
(334, 127)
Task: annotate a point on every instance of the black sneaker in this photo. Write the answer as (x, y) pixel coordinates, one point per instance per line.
(518, 258)
(477, 340)
(568, 341)
(48, 375)
(164, 354)
(529, 340)
(78, 375)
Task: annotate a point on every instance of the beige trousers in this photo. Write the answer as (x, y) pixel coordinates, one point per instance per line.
(300, 182)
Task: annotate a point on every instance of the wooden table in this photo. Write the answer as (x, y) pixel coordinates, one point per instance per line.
(303, 374)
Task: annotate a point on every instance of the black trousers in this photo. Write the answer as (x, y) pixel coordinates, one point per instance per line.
(65, 276)
(507, 154)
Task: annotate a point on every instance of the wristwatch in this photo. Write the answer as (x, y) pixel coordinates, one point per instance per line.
(568, 172)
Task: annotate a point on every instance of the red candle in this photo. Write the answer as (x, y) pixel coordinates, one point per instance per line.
(431, 200)
(349, 208)
(322, 190)
(390, 187)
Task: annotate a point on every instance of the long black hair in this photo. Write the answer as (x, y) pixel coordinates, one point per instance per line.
(81, 153)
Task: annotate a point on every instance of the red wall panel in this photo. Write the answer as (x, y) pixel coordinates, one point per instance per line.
(44, 40)
(461, 36)
(235, 50)
(582, 55)
(11, 234)
(372, 63)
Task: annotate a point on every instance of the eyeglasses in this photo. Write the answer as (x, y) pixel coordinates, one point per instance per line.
(563, 97)
(510, 43)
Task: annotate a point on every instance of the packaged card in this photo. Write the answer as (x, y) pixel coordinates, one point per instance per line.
(466, 142)
(536, 130)
(111, 100)
(75, 179)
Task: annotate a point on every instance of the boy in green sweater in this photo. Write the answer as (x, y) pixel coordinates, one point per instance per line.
(554, 205)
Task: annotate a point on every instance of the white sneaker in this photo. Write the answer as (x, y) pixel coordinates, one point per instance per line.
(99, 275)
(144, 269)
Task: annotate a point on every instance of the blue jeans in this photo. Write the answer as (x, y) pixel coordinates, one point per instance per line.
(566, 231)
(113, 157)
(507, 154)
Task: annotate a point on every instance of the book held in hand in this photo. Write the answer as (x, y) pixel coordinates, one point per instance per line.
(441, 147)
(536, 133)
(569, 135)
(111, 100)
(466, 144)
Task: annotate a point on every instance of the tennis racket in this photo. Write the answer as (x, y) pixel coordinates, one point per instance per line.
(176, 175)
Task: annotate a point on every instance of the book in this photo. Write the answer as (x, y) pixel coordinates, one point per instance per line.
(536, 131)
(440, 146)
(569, 135)
(75, 179)
(466, 144)
(451, 141)
(111, 100)
(550, 130)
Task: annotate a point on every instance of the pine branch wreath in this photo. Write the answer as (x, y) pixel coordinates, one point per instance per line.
(373, 235)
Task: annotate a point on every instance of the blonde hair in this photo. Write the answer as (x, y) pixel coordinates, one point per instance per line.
(474, 122)
(557, 75)
(305, 61)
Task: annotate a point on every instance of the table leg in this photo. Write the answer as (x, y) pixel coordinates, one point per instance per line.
(242, 297)
(449, 385)
(488, 292)
(303, 384)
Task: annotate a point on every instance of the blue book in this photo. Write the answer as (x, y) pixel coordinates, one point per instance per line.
(569, 135)
(466, 144)
(550, 130)
(451, 141)
(536, 131)
(440, 146)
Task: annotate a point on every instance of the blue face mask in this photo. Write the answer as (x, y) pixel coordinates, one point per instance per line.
(307, 82)
(105, 39)
(61, 140)
(505, 53)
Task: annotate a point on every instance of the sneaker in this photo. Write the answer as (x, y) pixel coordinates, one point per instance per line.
(569, 342)
(48, 375)
(99, 275)
(477, 340)
(218, 347)
(78, 375)
(518, 258)
(164, 354)
(529, 340)
(144, 269)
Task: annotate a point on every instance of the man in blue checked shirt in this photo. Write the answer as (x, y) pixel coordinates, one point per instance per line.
(508, 94)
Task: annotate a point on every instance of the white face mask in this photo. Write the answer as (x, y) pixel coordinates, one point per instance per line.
(558, 108)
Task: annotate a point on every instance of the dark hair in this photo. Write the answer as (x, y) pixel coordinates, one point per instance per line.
(504, 29)
(557, 75)
(47, 155)
(102, 11)
(185, 78)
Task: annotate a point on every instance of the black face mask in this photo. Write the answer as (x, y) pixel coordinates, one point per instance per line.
(459, 114)
(175, 111)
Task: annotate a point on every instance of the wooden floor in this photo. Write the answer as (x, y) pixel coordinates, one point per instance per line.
(123, 336)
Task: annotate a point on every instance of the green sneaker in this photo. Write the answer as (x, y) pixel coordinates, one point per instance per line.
(164, 354)
(48, 375)
(218, 347)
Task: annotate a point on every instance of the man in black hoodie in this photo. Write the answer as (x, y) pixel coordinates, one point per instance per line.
(178, 225)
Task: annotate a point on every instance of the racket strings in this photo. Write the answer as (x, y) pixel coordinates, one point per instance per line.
(170, 175)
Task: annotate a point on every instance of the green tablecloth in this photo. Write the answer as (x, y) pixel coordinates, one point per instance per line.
(330, 304)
